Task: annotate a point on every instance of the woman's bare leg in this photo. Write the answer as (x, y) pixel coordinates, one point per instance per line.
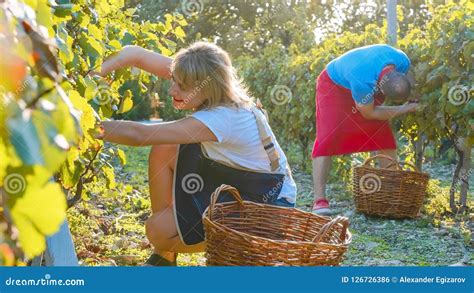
(161, 166)
(162, 232)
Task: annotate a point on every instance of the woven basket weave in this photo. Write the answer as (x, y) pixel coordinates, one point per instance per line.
(245, 233)
(392, 193)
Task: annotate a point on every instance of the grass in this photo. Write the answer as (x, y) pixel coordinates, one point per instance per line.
(108, 228)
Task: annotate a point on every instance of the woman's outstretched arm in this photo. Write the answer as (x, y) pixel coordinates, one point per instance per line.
(134, 56)
(184, 131)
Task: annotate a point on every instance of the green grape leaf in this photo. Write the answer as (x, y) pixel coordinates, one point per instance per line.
(83, 19)
(38, 211)
(91, 46)
(127, 39)
(87, 112)
(115, 44)
(24, 137)
(109, 177)
(126, 103)
(91, 88)
(4, 160)
(63, 10)
(95, 32)
(71, 170)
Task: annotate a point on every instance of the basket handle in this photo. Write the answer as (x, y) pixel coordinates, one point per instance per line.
(327, 227)
(403, 163)
(380, 156)
(215, 195)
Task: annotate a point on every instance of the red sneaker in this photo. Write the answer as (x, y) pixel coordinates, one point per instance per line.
(321, 207)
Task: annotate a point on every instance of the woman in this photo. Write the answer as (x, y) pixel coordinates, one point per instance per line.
(227, 140)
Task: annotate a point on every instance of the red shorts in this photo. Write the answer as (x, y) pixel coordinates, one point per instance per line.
(340, 128)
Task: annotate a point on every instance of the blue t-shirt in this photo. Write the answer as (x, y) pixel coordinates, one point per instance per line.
(358, 70)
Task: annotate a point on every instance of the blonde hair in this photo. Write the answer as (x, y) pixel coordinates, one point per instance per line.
(206, 68)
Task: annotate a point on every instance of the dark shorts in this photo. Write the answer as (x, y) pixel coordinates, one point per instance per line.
(196, 178)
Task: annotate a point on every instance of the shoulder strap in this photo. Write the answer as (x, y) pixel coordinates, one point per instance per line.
(266, 138)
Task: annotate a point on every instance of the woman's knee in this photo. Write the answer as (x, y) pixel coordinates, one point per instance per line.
(160, 226)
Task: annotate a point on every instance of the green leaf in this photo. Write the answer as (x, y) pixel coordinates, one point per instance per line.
(127, 39)
(110, 177)
(95, 32)
(91, 88)
(63, 10)
(165, 51)
(103, 8)
(38, 211)
(90, 46)
(44, 16)
(130, 11)
(53, 145)
(71, 170)
(115, 44)
(4, 160)
(24, 136)
(127, 102)
(83, 19)
(87, 112)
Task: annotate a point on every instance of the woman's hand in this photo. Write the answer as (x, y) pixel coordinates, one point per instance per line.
(134, 56)
(184, 131)
(98, 132)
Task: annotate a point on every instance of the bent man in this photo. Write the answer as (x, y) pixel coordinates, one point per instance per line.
(350, 115)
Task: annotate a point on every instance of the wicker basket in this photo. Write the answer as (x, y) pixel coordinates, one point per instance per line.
(245, 233)
(392, 193)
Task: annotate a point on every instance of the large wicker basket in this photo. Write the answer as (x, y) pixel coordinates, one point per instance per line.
(245, 233)
(389, 192)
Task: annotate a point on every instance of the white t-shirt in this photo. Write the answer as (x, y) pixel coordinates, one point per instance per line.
(239, 144)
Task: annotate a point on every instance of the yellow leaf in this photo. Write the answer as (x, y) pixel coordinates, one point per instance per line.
(38, 212)
(122, 156)
(95, 32)
(178, 31)
(127, 102)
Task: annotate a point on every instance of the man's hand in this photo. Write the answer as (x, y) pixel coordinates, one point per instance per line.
(410, 107)
(372, 112)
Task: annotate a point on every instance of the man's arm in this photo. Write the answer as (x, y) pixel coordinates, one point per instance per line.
(370, 111)
(184, 131)
(134, 56)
